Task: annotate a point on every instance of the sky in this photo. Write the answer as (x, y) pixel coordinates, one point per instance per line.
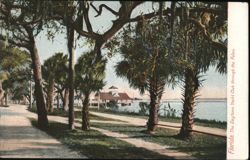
(213, 87)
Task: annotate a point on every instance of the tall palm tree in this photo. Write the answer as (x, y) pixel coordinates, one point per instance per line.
(147, 62)
(53, 71)
(201, 29)
(89, 78)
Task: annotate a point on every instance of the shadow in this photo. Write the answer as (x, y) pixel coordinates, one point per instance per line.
(95, 145)
(99, 151)
(18, 132)
(39, 151)
(211, 152)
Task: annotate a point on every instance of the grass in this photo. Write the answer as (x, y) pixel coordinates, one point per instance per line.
(200, 122)
(201, 146)
(95, 145)
(78, 114)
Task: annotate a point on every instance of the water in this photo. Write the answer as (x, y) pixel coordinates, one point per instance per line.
(209, 110)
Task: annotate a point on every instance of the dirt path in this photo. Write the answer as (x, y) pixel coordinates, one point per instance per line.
(140, 122)
(18, 139)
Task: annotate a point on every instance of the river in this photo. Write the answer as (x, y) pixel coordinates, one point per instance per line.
(209, 110)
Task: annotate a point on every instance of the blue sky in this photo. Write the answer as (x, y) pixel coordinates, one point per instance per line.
(214, 85)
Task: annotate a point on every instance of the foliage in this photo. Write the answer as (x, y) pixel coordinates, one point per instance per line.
(54, 67)
(198, 45)
(189, 42)
(112, 105)
(169, 111)
(144, 50)
(89, 73)
(12, 57)
(144, 108)
(15, 66)
(21, 19)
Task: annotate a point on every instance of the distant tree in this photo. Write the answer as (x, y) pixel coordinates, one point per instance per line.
(53, 70)
(89, 78)
(13, 63)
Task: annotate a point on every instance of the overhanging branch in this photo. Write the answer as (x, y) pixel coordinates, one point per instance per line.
(99, 12)
(207, 34)
(18, 44)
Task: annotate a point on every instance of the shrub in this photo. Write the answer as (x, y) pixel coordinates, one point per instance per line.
(144, 108)
(112, 105)
(169, 111)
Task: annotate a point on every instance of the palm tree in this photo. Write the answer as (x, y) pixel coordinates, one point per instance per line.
(201, 33)
(53, 71)
(62, 81)
(147, 63)
(89, 78)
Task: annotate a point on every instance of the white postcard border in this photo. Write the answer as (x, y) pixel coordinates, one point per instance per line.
(237, 86)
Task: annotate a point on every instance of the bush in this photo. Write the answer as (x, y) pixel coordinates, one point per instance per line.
(112, 105)
(169, 111)
(144, 108)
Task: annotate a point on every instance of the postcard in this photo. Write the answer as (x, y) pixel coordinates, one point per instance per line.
(124, 79)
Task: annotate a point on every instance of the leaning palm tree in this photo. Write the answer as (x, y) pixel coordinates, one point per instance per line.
(147, 62)
(89, 78)
(202, 33)
(52, 70)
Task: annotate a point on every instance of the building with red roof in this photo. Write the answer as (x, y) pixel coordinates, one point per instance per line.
(112, 95)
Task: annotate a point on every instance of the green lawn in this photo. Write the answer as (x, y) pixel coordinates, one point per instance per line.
(78, 115)
(201, 146)
(95, 145)
(200, 122)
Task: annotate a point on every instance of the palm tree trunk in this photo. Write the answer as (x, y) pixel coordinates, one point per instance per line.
(85, 112)
(50, 97)
(70, 36)
(6, 97)
(58, 100)
(66, 99)
(1, 93)
(190, 91)
(155, 98)
(40, 101)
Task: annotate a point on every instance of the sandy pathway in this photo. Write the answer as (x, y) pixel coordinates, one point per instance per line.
(18, 139)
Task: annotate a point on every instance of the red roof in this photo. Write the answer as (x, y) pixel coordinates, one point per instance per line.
(109, 96)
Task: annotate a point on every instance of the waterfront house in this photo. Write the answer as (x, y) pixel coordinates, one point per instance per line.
(112, 94)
